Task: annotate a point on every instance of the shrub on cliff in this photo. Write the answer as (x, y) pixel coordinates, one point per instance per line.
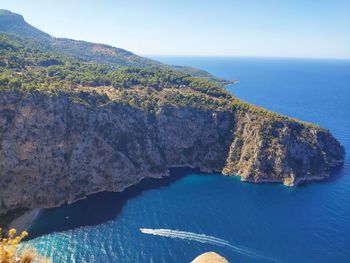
(9, 249)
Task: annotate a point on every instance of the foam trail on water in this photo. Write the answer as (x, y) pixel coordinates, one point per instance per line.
(203, 239)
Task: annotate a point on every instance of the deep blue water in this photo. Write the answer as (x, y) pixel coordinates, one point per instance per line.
(310, 223)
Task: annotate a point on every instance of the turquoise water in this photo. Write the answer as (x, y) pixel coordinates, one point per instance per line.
(244, 222)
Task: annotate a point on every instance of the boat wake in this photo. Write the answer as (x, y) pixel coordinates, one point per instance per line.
(204, 239)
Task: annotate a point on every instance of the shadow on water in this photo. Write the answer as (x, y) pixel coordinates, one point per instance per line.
(337, 172)
(102, 207)
(97, 208)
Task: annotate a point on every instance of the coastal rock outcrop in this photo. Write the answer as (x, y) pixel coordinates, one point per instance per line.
(209, 257)
(54, 149)
(269, 149)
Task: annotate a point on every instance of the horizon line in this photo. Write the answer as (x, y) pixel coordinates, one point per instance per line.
(240, 56)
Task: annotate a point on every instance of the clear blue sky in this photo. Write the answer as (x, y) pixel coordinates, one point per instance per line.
(285, 28)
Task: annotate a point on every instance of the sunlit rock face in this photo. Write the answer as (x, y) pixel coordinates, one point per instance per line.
(210, 257)
(54, 149)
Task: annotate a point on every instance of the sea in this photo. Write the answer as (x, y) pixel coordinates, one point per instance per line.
(177, 218)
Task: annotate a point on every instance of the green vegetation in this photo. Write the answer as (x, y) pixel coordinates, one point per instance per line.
(25, 68)
(96, 74)
(15, 26)
(242, 105)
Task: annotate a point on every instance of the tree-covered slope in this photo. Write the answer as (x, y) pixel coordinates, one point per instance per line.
(27, 68)
(15, 25)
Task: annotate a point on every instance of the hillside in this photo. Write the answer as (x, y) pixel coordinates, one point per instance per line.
(15, 25)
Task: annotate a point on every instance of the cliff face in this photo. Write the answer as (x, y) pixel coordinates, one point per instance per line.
(53, 149)
(280, 150)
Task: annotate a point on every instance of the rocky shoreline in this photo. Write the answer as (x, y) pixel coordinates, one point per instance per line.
(24, 221)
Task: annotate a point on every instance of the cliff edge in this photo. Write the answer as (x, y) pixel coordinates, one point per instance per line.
(55, 149)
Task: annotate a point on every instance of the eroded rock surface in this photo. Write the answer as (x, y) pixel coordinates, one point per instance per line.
(55, 150)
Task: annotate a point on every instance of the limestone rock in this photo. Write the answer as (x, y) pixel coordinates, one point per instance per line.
(210, 257)
(55, 150)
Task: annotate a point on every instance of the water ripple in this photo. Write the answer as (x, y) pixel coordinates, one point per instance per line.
(204, 239)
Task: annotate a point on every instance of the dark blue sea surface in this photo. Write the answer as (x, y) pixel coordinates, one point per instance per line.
(209, 212)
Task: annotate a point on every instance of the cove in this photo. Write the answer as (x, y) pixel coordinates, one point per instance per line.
(309, 223)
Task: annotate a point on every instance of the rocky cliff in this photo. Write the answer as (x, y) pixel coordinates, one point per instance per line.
(268, 148)
(55, 149)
